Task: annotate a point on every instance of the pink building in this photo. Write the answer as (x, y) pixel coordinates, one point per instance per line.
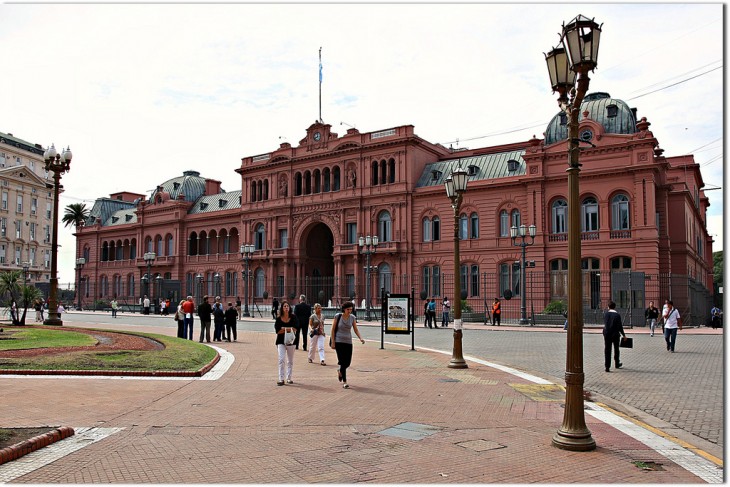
(303, 207)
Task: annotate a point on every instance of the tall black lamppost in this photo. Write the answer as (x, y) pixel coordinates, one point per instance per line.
(199, 280)
(158, 281)
(58, 164)
(149, 258)
(80, 262)
(26, 267)
(522, 234)
(455, 189)
(246, 254)
(568, 65)
(368, 246)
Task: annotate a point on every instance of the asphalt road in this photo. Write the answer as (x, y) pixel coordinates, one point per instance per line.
(682, 390)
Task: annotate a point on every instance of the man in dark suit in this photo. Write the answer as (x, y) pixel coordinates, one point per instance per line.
(612, 332)
(302, 311)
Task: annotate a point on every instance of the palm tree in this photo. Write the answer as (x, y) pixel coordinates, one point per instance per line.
(76, 214)
(10, 285)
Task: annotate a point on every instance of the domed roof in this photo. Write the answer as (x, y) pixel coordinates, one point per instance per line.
(615, 116)
(190, 184)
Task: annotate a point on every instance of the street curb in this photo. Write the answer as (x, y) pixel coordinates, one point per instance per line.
(13, 452)
(119, 373)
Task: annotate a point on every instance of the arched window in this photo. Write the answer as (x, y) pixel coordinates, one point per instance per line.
(260, 191)
(474, 225)
(87, 254)
(383, 172)
(589, 215)
(336, 178)
(426, 229)
(298, 184)
(132, 249)
(259, 283)
(375, 174)
(253, 191)
(391, 171)
(259, 237)
(620, 212)
(326, 180)
(160, 246)
(317, 181)
(560, 216)
(385, 279)
(148, 245)
(307, 182)
(130, 285)
(384, 227)
(463, 227)
(193, 244)
(474, 280)
(105, 251)
(119, 250)
(436, 229)
(516, 220)
(266, 189)
(509, 278)
(170, 245)
(503, 223)
(203, 244)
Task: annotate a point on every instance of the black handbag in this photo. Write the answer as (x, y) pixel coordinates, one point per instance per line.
(626, 342)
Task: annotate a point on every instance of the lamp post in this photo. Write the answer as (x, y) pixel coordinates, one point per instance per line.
(80, 262)
(523, 232)
(455, 189)
(158, 281)
(368, 246)
(199, 279)
(58, 163)
(568, 66)
(246, 254)
(149, 258)
(26, 267)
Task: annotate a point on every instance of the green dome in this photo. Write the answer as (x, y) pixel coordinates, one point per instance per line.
(615, 116)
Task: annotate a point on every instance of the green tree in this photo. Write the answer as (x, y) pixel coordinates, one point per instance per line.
(10, 286)
(75, 214)
(30, 295)
(717, 263)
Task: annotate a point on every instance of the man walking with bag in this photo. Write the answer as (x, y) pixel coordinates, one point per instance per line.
(672, 322)
(613, 330)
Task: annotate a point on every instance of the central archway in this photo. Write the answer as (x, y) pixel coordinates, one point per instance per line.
(319, 266)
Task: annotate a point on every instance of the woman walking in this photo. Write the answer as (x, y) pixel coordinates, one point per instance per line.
(341, 340)
(316, 333)
(286, 322)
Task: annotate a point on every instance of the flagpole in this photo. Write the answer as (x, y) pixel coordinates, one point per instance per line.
(320, 84)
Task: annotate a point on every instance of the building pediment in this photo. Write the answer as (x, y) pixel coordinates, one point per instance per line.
(22, 174)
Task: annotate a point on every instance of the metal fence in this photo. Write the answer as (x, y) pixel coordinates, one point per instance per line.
(632, 292)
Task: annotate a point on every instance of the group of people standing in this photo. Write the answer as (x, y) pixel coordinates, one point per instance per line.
(429, 313)
(223, 319)
(293, 325)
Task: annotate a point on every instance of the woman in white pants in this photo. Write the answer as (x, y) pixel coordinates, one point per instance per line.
(285, 322)
(316, 333)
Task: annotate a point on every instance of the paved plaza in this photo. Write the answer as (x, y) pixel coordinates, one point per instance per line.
(408, 418)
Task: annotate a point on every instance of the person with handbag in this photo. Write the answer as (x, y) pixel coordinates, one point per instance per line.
(672, 322)
(285, 326)
(613, 329)
(341, 340)
(316, 333)
(180, 318)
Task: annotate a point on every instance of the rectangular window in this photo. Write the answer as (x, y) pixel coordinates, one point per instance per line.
(19, 199)
(31, 258)
(283, 238)
(504, 224)
(32, 231)
(48, 210)
(47, 259)
(3, 227)
(280, 285)
(33, 206)
(352, 233)
(17, 255)
(47, 233)
(5, 200)
(436, 229)
(436, 274)
(426, 230)
(2, 253)
(474, 283)
(349, 287)
(18, 229)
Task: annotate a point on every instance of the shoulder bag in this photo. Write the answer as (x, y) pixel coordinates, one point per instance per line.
(335, 323)
(289, 336)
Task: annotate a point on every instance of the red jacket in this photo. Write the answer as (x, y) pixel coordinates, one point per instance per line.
(188, 307)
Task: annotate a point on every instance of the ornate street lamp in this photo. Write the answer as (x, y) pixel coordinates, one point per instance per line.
(247, 251)
(58, 163)
(455, 189)
(149, 258)
(368, 246)
(574, 58)
(199, 280)
(523, 232)
(158, 280)
(80, 262)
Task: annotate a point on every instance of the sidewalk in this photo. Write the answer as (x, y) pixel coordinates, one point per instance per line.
(407, 418)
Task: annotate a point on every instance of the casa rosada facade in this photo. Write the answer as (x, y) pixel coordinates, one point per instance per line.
(304, 207)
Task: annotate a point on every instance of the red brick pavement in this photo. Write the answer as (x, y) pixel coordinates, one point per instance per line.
(242, 428)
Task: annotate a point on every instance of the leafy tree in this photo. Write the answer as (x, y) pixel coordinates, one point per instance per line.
(717, 271)
(75, 214)
(30, 295)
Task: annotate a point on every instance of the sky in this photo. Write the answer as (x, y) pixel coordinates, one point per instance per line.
(143, 92)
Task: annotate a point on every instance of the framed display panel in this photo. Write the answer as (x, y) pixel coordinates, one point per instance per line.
(396, 309)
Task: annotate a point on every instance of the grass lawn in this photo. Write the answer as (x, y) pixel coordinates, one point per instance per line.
(15, 338)
(177, 355)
